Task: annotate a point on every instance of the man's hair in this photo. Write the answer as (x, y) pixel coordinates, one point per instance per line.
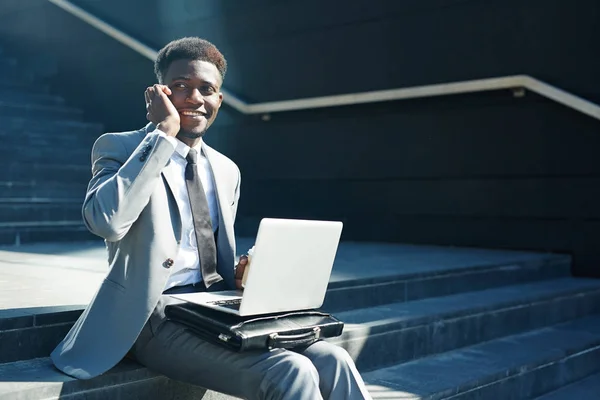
(189, 48)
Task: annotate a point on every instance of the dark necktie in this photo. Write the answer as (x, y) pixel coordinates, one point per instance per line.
(207, 250)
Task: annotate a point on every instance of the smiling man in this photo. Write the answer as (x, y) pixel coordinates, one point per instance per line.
(165, 203)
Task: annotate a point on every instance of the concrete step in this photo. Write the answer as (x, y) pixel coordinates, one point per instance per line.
(38, 379)
(40, 112)
(20, 97)
(7, 60)
(588, 388)
(19, 84)
(65, 127)
(45, 149)
(468, 371)
(399, 332)
(376, 336)
(22, 232)
(10, 69)
(40, 210)
(40, 190)
(517, 367)
(11, 76)
(49, 139)
(373, 274)
(49, 172)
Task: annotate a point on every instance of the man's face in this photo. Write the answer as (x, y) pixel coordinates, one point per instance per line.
(195, 87)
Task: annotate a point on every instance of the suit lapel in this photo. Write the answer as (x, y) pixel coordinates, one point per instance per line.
(170, 180)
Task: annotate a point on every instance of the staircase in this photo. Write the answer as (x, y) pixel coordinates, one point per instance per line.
(45, 159)
(422, 322)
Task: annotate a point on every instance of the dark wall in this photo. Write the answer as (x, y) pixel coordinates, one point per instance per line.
(477, 170)
(291, 49)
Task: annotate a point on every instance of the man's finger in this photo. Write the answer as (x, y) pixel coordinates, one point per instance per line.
(165, 89)
(151, 93)
(146, 97)
(157, 89)
(163, 96)
(239, 270)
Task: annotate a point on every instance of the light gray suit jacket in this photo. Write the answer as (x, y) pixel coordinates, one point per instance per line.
(129, 204)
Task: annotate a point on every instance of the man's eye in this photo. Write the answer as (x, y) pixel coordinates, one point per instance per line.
(208, 89)
(178, 86)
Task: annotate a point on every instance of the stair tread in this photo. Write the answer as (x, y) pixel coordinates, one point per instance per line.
(425, 261)
(54, 123)
(443, 374)
(9, 226)
(449, 373)
(373, 320)
(405, 314)
(38, 379)
(588, 388)
(18, 97)
(41, 376)
(36, 106)
(45, 164)
(41, 191)
(42, 202)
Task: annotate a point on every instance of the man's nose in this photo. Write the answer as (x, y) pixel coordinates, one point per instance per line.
(195, 97)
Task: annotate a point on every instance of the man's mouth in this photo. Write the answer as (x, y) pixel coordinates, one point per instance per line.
(190, 113)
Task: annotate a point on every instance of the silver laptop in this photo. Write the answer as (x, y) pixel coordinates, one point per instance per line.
(289, 270)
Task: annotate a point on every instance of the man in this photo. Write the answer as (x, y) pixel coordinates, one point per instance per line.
(165, 203)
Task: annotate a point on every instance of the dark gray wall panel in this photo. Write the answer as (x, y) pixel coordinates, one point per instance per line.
(520, 198)
(492, 135)
(281, 50)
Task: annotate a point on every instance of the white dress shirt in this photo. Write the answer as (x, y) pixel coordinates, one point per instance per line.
(186, 268)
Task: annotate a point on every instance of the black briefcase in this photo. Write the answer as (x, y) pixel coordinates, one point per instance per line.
(259, 332)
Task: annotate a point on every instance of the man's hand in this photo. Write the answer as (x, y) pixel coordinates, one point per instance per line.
(161, 111)
(239, 271)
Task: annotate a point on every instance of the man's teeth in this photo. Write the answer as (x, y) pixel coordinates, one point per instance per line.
(192, 113)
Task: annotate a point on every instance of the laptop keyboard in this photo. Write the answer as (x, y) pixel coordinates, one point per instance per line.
(233, 304)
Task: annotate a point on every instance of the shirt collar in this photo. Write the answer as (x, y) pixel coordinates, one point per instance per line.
(183, 149)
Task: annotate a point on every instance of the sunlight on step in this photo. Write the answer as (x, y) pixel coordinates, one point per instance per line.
(384, 393)
(353, 340)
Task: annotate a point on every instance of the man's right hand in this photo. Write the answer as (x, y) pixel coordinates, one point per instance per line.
(239, 272)
(161, 111)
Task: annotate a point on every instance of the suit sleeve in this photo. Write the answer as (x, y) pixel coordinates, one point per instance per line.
(121, 184)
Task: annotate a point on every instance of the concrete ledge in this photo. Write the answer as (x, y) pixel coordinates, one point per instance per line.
(588, 388)
(38, 379)
(52, 126)
(400, 332)
(520, 366)
(24, 97)
(45, 231)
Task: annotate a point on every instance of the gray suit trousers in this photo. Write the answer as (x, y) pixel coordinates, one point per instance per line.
(320, 371)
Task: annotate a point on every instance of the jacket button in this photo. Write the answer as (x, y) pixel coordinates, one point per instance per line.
(143, 158)
(169, 263)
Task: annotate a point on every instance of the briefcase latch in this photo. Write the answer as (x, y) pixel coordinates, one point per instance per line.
(277, 340)
(224, 338)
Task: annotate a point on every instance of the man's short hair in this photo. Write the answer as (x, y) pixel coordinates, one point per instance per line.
(189, 48)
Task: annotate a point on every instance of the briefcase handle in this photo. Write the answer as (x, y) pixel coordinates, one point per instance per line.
(276, 340)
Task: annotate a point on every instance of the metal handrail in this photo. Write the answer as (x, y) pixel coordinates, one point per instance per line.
(508, 82)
